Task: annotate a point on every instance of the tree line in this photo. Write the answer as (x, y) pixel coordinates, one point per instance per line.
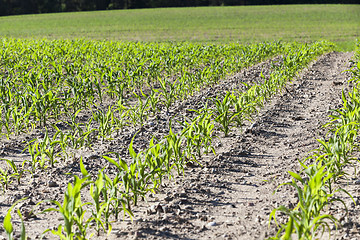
(15, 7)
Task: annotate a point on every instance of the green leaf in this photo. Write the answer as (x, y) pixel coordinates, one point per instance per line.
(23, 230)
(7, 223)
(83, 169)
(289, 229)
(131, 149)
(296, 176)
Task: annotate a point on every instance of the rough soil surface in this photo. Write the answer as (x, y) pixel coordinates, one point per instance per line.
(231, 196)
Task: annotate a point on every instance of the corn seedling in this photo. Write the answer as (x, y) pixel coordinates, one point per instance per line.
(223, 113)
(72, 210)
(8, 226)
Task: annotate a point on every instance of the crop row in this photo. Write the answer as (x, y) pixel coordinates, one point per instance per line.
(316, 182)
(48, 81)
(115, 194)
(49, 84)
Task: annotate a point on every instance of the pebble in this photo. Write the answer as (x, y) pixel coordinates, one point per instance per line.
(258, 219)
(138, 220)
(153, 207)
(163, 229)
(183, 194)
(52, 184)
(211, 224)
(357, 182)
(168, 198)
(156, 208)
(229, 223)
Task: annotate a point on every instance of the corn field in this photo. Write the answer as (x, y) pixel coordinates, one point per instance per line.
(65, 97)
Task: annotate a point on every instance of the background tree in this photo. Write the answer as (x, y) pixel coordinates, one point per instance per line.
(12, 7)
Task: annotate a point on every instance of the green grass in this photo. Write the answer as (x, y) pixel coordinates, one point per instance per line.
(337, 23)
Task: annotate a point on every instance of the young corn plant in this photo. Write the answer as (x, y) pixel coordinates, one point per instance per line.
(123, 169)
(8, 225)
(223, 113)
(73, 212)
(102, 213)
(5, 178)
(198, 136)
(244, 107)
(155, 159)
(9, 173)
(135, 178)
(314, 193)
(168, 92)
(140, 112)
(106, 122)
(21, 121)
(154, 100)
(33, 148)
(117, 203)
(174, 142)
(121, 114)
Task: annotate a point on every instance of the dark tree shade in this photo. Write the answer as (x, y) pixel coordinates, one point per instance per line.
(13, 7)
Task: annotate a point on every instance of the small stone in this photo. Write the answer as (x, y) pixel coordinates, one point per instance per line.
(229, 223)
(137, 220)
(357, 182)
(163, 229)
(188, 208)
(251, 204)
(168, 198)
(166, 209)
(155, 208)
(211, 224)
(203, 228)
(52, 184)
(182, 194)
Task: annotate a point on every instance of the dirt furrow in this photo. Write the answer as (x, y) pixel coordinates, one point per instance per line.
(232, 196)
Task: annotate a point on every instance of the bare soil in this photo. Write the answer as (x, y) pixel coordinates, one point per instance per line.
(231, 195)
